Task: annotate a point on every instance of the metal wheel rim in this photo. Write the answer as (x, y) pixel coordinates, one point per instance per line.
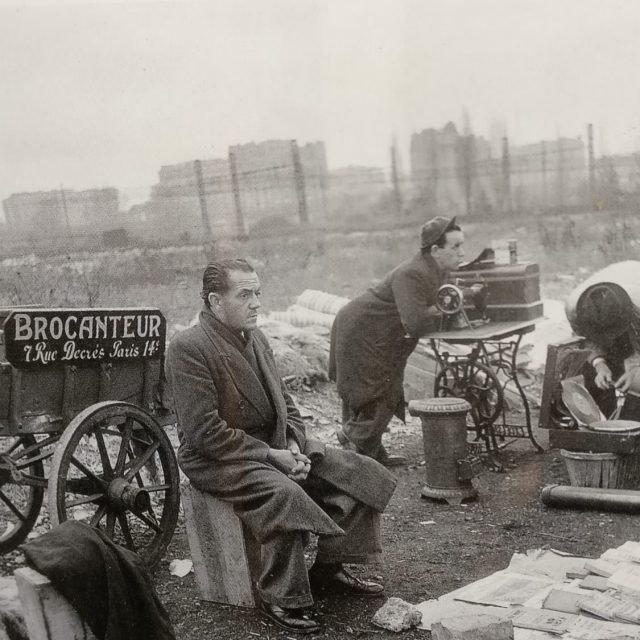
(102, 418)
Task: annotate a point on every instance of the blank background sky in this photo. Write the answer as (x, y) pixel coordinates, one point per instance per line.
(98, 94)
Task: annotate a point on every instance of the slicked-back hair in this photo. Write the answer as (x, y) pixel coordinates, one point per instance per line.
(442, 240)
(216, 276)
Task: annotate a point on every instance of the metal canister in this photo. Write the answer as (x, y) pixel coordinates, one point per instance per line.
(444, 435)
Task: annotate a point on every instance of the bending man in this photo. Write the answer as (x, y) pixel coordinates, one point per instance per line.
(374, 334)
(605, 309)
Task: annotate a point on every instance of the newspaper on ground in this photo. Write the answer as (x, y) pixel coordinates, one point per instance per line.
(447, 607)
(566, 600)
(626, 579)
(504, 589)
(592, 629)
(542, 595)
(611, 605)
(546, 562)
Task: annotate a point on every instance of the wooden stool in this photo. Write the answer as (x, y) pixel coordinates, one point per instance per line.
(226, 557)
(48, 615)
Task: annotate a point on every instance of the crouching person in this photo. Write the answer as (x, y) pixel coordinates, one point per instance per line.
(243, 440)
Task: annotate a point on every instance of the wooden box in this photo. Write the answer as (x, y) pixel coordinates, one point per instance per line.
(226, 558)
(513, 290)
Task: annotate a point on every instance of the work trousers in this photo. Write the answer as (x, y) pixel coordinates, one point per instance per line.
(365, 425)
(284, 579)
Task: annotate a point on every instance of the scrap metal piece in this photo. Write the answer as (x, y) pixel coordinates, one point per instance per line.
(590, 498)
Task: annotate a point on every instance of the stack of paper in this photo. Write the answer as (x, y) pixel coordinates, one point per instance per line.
(535, 593)
(612, 605)
(626, 579)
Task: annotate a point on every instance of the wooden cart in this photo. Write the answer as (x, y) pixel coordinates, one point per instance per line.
(82, 411)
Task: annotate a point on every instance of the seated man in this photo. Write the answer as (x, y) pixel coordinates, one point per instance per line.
(243, 440)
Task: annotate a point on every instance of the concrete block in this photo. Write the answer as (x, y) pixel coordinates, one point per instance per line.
(397, 615)
(48, 615)
(474, 627)
(226, 558)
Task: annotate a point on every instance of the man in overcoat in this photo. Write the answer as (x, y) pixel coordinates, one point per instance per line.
(374, 334)
(243, 440)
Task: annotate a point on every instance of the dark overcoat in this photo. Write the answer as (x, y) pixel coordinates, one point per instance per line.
(225, 431)
(374, 334)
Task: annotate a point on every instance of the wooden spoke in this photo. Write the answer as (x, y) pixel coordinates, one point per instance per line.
(13, 507)
(111, 523)
(124, 446)
(141, 461)
(93, 498)
(150, 523)
(41, 456)
(157, 487)
(104, 455)
(76, 463)
(97, 516)
(126, 532)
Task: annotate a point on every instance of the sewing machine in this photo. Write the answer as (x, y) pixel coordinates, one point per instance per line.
(450, 301)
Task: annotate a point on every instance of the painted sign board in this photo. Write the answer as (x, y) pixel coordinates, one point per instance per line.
(49, 337)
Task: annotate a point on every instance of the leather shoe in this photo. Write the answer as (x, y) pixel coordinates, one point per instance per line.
(344, 582)
(294, 620)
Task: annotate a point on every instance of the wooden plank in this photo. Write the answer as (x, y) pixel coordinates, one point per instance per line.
(489, 331)
(218, 549)
(48, 615)
(564, 360)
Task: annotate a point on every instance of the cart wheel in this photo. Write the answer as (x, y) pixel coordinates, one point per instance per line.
(19, 503)
(115, 469)
(476, 383)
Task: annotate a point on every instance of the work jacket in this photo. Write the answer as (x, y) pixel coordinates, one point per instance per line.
(374, 334)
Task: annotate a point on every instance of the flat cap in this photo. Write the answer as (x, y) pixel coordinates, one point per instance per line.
(432, 231)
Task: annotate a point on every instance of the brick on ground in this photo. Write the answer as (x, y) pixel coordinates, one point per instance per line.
(397, 615)
(474, 627)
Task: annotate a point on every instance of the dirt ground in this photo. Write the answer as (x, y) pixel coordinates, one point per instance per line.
(431, 548)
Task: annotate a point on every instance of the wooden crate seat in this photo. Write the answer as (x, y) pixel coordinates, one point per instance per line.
(226, 558)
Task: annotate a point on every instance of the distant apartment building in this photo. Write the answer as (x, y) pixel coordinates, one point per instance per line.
(266, 187)
(458, 174)
(46, 215)
(444, 166)
(175, 207)
(620, 171)
(549, 174)
(278, 178)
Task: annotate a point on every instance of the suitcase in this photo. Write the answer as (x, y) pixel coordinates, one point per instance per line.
(513, 290)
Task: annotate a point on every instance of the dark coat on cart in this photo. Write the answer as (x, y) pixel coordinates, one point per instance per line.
(228, 420)
(374, 334)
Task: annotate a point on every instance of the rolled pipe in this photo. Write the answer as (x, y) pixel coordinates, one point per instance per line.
(590, 498)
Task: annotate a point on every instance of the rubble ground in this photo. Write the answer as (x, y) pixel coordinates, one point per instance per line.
(431, 548)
